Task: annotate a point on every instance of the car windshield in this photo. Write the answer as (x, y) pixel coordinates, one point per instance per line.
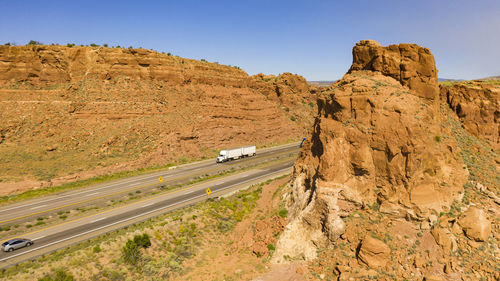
(5, 243)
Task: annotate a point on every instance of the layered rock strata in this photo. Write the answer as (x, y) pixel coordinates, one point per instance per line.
(377, 142)
(73, 113)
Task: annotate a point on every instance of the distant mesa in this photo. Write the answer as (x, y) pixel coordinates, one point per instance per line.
(321, 83)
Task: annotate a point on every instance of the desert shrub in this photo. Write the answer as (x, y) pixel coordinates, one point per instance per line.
(70, 45)
(96, 249)
(105, 45)
(60, 275)
(33, 42)
(293, 118)
(94, 45)
(131, 253)
(142, 240)
(283, 213)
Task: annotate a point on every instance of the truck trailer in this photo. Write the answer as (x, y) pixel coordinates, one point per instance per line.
(236, 153)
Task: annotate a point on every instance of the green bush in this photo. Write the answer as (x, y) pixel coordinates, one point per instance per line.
(131, 253)
(437, 139)
(70, 45)
(142, 240)
(96, 249)
(33, 42)
(283, 213)
(59, 276)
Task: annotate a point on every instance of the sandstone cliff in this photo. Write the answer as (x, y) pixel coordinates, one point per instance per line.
(72, 113)
(380, 170)
(477, 105)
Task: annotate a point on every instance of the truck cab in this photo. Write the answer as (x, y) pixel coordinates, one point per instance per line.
(222, 156)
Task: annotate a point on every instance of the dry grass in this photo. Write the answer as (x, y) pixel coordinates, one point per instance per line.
(176, 237)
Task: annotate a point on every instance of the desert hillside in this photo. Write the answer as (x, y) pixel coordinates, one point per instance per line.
(70, 113)
(399, 178)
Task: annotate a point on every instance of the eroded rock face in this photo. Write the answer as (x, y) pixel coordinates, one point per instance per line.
(477, 105)
(410, 64)
(50, 65)
(103, 110)
(376, 142)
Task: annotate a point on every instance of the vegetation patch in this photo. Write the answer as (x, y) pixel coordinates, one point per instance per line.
(156, 248)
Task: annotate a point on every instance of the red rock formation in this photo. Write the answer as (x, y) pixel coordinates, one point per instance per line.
(57, 64)
(100, 110)
(376, 141)
(410, 64)
(477, 105)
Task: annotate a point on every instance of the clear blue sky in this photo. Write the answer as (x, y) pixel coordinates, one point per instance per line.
(310, 38)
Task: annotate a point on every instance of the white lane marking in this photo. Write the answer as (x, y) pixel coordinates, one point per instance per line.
(239, 183)
(39, 237)
(96, 229)
(92, 194)
(244, 176)
(221, 182)
(128, 184)
(143, 206)
(37, 207)
(111, 224)
(100, 219)
(192, 191)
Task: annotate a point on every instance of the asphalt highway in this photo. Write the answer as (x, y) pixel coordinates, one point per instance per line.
(50, 205)
(57, 236)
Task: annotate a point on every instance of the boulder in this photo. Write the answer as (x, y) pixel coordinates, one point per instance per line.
(475, 224)
(374, 252)
(443, 238)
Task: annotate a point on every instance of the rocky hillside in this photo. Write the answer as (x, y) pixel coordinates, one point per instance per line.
(477, 105)
(390, 184)
(72, 113)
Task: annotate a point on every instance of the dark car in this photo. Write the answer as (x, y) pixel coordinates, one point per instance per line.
(16, 243)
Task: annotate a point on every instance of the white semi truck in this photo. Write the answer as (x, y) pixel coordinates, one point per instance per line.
(236, 153)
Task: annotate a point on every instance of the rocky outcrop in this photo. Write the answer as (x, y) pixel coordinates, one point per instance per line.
(376, 143)
(475, 224)
(477, 105)
(410, 64)
(50, 65)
